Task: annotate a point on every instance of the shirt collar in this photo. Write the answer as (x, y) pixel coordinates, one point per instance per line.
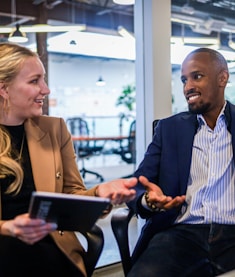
(201, 120)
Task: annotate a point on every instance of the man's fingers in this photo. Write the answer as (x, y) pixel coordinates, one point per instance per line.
(145, 182)
(175, 202)
(131, 182)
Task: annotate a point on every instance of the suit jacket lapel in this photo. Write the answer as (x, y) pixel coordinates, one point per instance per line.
(43, 164)
(230, 117)
(187, 127)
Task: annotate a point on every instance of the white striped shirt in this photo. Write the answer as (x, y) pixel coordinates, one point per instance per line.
(210, 195)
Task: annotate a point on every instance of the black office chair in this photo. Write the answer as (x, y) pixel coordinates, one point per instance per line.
(95, 244)
(128, 151)
(120, 221)
(84, 148)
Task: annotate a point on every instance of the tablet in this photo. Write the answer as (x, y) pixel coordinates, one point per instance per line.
(71, 212)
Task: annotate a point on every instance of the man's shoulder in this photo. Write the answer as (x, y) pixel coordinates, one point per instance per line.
(180, 116)
(231, 106)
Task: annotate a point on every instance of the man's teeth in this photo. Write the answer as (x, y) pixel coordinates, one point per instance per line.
(39, 100)
(193, 97)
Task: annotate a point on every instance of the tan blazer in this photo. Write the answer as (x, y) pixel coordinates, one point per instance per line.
(55, 169)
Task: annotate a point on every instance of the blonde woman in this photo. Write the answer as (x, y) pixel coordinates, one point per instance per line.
(36, 153)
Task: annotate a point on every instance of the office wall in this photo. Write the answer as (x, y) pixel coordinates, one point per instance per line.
(72, 80)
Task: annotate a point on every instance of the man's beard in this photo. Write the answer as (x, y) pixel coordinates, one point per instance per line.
(202, 109)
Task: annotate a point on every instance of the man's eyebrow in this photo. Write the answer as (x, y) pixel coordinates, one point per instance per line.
(193, 73)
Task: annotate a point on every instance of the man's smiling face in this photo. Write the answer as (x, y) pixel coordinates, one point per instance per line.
(202, 83)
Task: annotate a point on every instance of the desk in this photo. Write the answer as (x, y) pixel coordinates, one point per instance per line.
(81, 139)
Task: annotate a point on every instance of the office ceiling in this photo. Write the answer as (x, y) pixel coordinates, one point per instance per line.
(100, 13)
(199, 17)
(207, 15)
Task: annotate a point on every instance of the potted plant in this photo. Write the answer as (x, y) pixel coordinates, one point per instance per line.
(127, 98)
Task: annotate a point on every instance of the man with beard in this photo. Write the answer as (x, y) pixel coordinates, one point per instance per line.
(186, 188)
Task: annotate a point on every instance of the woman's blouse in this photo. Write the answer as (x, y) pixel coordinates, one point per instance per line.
(13, 205)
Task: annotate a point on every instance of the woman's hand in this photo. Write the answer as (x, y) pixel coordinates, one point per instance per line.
(158, 198)
(118, 191)
(26, 229)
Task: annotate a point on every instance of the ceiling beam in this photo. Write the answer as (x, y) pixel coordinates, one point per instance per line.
(65, 12)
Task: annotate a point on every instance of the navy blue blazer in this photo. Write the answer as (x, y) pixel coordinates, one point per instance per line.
(167, 162)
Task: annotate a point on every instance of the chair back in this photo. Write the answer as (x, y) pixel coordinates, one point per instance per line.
(95, 245)
(128, 151)
(83, 148)
(119, 223)
(132, 142)
(154, 124)
(79, 127)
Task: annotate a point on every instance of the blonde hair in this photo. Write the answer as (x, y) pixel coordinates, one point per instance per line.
(12, 57)
(9, 166)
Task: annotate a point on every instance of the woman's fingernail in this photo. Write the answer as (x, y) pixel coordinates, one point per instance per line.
(54, 226)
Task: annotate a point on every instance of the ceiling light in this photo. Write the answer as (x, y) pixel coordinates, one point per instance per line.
(124, 33)
(201, 29)
(188, 9)
(17, 36)
(231, 43)
(195, 40)
(214, 24)
(44, 28)
(100, 82)
(124, 2)
(73, 42)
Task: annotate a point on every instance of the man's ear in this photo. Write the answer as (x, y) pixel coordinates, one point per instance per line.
(223, 78)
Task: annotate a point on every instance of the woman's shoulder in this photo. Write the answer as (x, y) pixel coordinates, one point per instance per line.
(47, 123)
(46, 119)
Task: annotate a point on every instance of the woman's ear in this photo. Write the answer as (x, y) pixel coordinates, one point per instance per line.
(3, 90)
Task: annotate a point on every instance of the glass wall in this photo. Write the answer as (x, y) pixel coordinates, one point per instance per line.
(74, 93)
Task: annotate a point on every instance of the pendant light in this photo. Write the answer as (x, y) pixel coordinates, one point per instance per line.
(100, 82)
(17, 36)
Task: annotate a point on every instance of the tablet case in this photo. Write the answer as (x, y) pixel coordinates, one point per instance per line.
(71, 212)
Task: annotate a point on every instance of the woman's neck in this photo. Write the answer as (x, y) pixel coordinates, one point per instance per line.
(10, 121)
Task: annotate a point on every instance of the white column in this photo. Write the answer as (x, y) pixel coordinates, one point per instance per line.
(153, 67)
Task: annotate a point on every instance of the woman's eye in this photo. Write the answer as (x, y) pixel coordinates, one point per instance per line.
(35, 81)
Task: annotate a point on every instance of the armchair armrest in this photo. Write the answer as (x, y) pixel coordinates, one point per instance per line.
(119, 222)
(95, 244)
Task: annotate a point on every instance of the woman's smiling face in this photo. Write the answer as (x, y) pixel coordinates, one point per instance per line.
(26, 92)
